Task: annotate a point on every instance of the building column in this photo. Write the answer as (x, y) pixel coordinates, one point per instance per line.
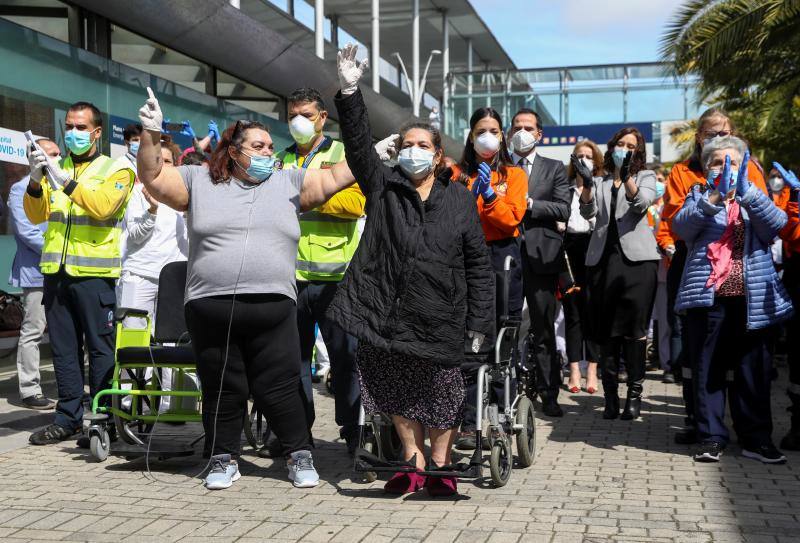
(415, 97)
(319, 28)
(469, 77)
(335, 31)
(375, 48)
(444, 111)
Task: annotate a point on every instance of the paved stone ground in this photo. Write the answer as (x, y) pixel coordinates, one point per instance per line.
(593, 480)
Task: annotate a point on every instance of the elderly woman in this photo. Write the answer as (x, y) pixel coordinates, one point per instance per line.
(732, 297)
(622, 261)
(420, 281)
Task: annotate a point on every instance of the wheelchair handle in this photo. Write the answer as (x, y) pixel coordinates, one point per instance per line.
(509, 263)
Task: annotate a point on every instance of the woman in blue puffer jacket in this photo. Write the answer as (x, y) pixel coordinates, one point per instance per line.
(733, 298)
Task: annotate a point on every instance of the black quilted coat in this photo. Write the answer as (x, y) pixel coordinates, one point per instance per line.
(421, 276)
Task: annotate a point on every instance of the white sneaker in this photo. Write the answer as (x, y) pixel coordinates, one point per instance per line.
(224, 472)
(301, 470)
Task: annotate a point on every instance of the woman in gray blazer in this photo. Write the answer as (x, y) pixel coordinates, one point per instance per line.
(622, 263)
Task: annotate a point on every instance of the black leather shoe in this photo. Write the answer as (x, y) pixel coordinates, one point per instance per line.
(632, 408)
(552, 409)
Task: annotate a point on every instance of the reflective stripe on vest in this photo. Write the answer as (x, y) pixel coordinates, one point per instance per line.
(84, 245)
(327, 243)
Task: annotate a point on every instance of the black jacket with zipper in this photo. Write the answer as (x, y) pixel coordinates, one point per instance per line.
(421, 276)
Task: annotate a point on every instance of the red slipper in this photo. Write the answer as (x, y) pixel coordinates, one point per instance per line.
(442, 486)
(404, 483)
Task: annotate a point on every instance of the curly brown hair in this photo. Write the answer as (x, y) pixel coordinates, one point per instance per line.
(221, 165)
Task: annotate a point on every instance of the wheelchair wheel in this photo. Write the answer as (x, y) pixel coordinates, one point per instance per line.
(391, 447)
(256, 429)
(500, 462)
(129, 430)
(99, 445)
(371, 447)
(526, 437)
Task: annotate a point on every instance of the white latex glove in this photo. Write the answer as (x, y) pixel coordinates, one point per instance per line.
(530, 203)
(670, 250)
(387, 147)
(37, 159)
(477, 340)
(150, 113)
(561, 227)
(350, 70)
(55, 175)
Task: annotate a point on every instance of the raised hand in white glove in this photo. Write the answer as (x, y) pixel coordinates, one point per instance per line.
(150, 113)
(55, 175)
(350, 70)
(37, 159)
(477, 340)
(387, 147)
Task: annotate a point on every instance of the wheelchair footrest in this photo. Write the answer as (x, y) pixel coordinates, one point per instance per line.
(159, 448)
(461, 471)
(366, 461)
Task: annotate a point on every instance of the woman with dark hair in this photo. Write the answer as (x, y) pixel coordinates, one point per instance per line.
(577, 233)
(420, 283)
(622, 261)
(500, 191)
(240, 286)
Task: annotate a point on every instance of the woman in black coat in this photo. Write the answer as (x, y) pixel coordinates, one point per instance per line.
(420, 281)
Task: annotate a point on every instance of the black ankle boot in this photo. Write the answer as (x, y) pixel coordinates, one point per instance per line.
(633, 404)
(611, 410)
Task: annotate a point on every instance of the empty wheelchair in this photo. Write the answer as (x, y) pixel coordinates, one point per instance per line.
(136, 392)
(502, 420)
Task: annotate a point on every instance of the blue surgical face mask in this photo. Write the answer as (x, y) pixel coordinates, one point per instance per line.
(415, 162)
(78, 141)
(619, 156)
(261, 167)
(660, 188)
(133, 148)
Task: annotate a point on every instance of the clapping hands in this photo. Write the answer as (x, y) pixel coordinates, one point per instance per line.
(483, 183)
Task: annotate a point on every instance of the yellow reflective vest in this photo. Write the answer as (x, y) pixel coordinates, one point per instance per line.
(329, 234)
(87, 246)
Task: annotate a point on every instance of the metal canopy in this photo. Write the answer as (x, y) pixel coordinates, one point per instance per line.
(354, 17)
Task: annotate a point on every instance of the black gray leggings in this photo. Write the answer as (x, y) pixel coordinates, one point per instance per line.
(263, 362)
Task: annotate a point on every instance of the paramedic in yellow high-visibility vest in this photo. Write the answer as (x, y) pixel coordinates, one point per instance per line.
(82, 198)
(329, 237)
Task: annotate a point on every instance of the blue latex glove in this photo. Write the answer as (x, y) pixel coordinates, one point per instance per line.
(483, 179)
(724, 182)
(213, 131)
(187, 129)
(164, 125)
(742, 184)
(789, 176)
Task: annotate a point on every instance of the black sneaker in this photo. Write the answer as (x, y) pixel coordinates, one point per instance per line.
(38, 401)
(465, 441)
(768, 454)
(52, 434)
(669, 378)
(687, 436)
(708, 451)
(552, 409)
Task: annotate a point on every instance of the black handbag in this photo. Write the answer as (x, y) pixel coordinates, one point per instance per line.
(11, 312)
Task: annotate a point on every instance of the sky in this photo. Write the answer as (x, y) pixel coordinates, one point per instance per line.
(549, 33)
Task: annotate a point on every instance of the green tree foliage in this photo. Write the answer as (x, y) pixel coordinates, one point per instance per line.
(746, 53)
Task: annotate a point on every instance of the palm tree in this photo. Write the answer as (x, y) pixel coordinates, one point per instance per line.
(745, 52)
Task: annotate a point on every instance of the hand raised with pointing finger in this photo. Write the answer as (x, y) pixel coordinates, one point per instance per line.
(150, 114)
(350, 70)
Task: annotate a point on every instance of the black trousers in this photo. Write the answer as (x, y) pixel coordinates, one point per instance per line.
(263, 361)
(678, 340)
(540, 292)
(791, 280)
(313, 299)
(576, 315)
(79, 308)
(719, 342)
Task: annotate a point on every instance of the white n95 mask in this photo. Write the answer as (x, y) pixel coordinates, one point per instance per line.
(523, 141)
(486, 145)
(302, 129)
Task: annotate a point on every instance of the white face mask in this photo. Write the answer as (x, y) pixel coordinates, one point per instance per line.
(589, 163)
(776, 184)
(302, 129)
(486, 145)
(415, 162)
(523, 141)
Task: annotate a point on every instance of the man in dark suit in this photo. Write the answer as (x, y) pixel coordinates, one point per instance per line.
(548, 202)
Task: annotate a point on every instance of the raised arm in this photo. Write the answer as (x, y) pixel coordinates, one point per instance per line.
(164, 184)
(320, 185)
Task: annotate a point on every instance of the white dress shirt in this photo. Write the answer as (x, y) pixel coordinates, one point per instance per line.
(528, 161)
(577, 224)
